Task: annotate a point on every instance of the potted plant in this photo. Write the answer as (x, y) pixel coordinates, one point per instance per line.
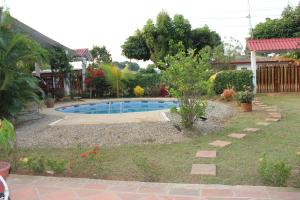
(49, 101)
(7, 143)
(245, 98)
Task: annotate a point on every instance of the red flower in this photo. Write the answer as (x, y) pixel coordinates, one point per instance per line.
(93, 152)
(83, 155)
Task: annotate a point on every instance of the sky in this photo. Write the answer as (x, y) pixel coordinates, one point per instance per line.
(82, 24)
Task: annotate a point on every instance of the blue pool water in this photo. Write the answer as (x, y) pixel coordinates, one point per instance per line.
(119, 107)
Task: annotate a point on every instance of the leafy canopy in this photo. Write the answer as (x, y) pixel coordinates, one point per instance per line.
(101, 54)
(167, 36)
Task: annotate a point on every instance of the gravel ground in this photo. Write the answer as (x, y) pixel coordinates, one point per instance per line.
(38, 133)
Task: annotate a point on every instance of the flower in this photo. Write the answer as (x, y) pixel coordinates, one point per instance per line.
(96, 147)
(93, 152)
(83, 155)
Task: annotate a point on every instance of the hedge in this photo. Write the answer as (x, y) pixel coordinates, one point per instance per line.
(232, 78)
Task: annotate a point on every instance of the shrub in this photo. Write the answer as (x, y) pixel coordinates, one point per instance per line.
(58, 166)
(7, 137)
(188, 79)
(273, 172)
(163, 91)
(245, 96)
(228, 94)
(148, 169)
(232, 78)
(36, 164)
(138, 91)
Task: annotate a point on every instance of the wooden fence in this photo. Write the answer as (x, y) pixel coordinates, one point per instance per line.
(278, 78)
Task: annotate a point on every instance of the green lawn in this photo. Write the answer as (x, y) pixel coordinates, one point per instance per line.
(236, 164)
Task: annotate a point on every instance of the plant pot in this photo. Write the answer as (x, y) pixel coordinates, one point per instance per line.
(50, 103)
(4, 169)
(246, 107)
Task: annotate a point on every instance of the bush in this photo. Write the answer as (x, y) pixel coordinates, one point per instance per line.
(148, 169)
(274, 172)
(232, 78)
(36, 164)
(245, 96)
(138, 91)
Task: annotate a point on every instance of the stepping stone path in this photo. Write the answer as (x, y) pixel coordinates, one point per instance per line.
(204, 169)
(211, 169)
(206, 154)
(251, 129)
(237, 135)
(272, 119)
(263, 123)
(220, 143)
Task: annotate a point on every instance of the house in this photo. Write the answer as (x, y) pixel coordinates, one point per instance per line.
(56, 81)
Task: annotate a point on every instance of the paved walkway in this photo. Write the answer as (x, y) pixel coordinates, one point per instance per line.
(52, 188)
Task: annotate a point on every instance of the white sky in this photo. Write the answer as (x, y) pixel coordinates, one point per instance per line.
(84, 23)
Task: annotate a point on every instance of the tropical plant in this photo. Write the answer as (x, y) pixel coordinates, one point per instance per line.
(116, 77)
(188, 79)
(101, 54)
(18, 54)
(7, 137)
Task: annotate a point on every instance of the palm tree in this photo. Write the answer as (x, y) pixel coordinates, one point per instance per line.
(18, 54)
(115, 76)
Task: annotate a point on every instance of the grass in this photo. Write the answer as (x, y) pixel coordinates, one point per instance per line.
(236, 164)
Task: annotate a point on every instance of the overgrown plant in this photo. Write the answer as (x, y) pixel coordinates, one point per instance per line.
(245, 96)
(273, 172)
(188, 78)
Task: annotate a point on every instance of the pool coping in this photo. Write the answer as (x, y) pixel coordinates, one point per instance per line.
(101, 119)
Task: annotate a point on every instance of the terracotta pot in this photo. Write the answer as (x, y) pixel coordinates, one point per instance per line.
(246, 107)
(4, 169)
(50, 103)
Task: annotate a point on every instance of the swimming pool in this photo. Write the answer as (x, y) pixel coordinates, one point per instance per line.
(112, 107)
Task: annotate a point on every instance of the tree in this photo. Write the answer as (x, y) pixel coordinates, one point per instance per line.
(18, 54)
(167, 36)
(188, 79)
(288, 25)
(132, 66)
(101, 54)
(115, 77)
(59, 60)
(135, 47)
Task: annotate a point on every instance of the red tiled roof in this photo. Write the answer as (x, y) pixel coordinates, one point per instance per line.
(275, 44)
(83, 53)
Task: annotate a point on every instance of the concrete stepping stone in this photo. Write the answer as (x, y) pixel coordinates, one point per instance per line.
(206, 154)
(204, 169)
(251, 129)
(220, 143)
(272, 110)
(275, 115)
(237, 135)
(272, 119)
(263, 123)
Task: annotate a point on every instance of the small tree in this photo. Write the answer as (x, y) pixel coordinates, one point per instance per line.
(101, 54)
(188, 75)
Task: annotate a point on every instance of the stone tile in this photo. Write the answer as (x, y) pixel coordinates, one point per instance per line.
(263, 123)
(216, 193)
(104, 196)
(274, 115)
(206, 154)
(60, 195)
(27, 193)
(272, 119)
(185, 192)
(204, 169)
(237, 135)
(96, 186)
(251, 129)
(272, 110)
(158, 189)
(220, 143)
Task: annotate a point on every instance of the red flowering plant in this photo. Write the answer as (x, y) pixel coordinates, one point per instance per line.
(163, 91)
(92, 152)
(92, 73)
